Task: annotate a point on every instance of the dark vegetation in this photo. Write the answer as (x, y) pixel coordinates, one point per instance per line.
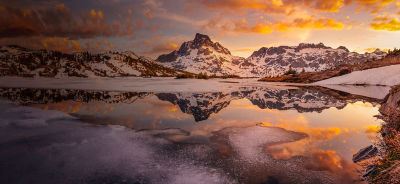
(187, 75)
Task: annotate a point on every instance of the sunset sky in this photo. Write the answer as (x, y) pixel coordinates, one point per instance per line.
(151, 27)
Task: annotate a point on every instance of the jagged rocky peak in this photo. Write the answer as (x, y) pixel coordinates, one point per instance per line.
(283, 49)
(269, 51)
(201, 42)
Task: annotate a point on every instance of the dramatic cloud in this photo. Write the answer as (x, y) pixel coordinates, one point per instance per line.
(266, 27)
(57, 21)
(290, 6)
(374, 6)
(146, 26)
(385, 23)
(272, 6)
(160, 48)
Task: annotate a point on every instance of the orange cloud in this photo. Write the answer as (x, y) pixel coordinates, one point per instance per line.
(324, 160)
(277, 6)
(61, 44)
(372, 129)
(385, 23)
(374, 6)
(261, 28)
(300, 124)
(274, 6)
(311, 23)
(160, 47)
(242, 26)
(329, 5)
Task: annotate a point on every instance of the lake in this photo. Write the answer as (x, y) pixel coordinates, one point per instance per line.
(183, 131)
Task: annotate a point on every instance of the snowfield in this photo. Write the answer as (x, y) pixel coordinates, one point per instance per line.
(387, 76)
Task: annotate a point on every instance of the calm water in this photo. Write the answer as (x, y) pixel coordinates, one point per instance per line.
(251, 134)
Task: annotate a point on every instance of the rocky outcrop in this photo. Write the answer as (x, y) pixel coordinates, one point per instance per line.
(365, 153)
(390, 110)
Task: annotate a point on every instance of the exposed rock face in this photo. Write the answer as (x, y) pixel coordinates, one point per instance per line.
(18, 61)
(203, 55)
(391, 108)
(365, 153)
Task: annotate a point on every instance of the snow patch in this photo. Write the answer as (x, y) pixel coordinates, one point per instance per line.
(387, 76)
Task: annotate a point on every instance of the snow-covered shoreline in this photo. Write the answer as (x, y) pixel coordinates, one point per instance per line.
(384, 76)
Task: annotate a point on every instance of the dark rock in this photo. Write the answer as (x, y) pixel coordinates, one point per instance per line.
(167, 57)
(365, 153)
(370, 170)
(343, 48)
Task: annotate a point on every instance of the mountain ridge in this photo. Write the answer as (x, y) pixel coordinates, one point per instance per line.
(20, 61)
(203, 55)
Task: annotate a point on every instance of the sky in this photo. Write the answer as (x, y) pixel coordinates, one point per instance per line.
(154, 27)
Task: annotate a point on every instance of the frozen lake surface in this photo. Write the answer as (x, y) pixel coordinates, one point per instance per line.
(162, 130)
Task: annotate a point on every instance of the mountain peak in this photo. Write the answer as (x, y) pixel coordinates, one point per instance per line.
(201, 44)
(199, 36)
(201, 39)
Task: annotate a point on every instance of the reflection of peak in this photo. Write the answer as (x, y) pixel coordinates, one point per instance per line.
(201, 106)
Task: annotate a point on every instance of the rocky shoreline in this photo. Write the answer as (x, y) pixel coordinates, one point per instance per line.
(382, 161)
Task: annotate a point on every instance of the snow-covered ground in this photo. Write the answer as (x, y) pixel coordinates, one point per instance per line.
(378, 92)
(387, 76)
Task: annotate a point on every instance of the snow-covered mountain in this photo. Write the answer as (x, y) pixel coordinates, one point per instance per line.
(19, 61)
(203, 55)
(274, 61)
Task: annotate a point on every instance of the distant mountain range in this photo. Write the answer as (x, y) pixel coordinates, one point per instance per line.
(19, 61)
(199, 55)
(204, 55)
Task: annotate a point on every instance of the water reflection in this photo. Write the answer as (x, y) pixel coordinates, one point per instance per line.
(325, 128)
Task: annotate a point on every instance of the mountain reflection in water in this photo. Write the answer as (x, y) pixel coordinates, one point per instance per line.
(323, 128)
